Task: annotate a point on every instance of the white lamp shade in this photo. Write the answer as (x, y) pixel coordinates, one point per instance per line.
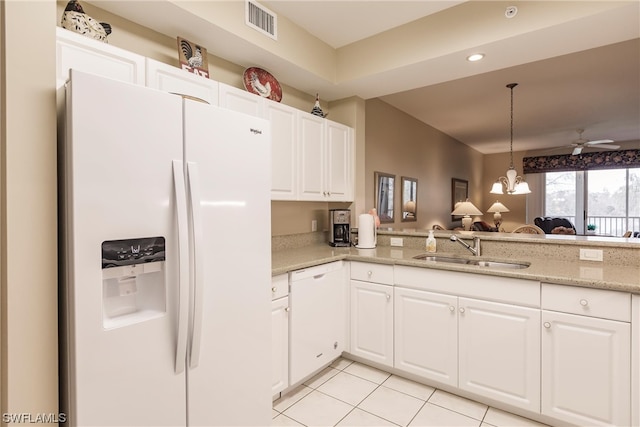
(410, 206)
(498, 207)
(522, 188)
(497, 188)
(466, 208)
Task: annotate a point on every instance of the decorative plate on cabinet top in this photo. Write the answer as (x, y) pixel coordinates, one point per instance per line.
(262, 83)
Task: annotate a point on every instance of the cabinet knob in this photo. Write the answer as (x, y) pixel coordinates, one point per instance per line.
(388, 297)
(584, 302)
(547, 325)
(273, 289)
(452, 308)
(461, 309)
(369, 273)
(287, 309)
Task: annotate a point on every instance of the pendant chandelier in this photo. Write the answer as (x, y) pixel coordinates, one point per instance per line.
(513, 182)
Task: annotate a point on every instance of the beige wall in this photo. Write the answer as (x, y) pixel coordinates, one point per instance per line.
(28, 280)
(400, 145)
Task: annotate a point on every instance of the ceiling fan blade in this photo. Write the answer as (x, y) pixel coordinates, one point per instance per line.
(613, 147)
(599, 141)
(577, 151)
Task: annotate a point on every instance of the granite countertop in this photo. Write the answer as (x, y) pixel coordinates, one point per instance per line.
(578, 273)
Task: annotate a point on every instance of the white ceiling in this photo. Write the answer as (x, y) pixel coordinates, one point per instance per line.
(577, 62)
(597, 89)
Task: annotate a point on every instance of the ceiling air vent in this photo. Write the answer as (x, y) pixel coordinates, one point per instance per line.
(261, 19)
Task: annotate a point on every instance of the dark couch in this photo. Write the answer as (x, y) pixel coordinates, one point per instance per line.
(549, 224)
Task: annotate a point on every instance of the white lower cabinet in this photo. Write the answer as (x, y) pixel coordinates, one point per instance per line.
(586, 361)
(317, 318)
(372, 322)
(426, 334)
(480, 346)
(279, 333)
(475, 332)
(499, 352)
(279, 345)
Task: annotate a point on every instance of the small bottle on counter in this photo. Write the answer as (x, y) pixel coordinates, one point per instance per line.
(431, 242)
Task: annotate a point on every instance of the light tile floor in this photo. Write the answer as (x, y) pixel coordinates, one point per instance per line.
(352, 394)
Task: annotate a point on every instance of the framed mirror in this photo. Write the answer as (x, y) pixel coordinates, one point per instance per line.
(385, 184)
(459, 193)
(409, 198)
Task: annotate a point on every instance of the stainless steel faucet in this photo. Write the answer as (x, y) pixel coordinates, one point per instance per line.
(475, 250)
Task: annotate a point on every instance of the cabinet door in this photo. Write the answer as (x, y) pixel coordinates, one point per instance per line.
(84, 54)
(279, 345)
(239, 100)
(426, 334)
(283, 150)
(586, 370)
(499, 353)
(312, 158)
(171, 79)
(339, 169)
(372, 321)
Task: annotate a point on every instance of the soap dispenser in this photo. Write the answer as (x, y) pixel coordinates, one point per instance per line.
(431, 242)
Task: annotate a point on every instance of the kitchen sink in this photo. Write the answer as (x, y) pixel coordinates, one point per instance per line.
(435, 258)
(466, 261)
(498, 264)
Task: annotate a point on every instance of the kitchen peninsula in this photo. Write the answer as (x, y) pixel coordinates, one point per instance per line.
(553, 258)
(556, 341)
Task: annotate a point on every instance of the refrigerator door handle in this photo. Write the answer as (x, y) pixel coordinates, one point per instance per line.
(196, 221)
(183, 265)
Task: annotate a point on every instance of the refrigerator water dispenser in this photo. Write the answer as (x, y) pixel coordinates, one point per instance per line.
(133, 281)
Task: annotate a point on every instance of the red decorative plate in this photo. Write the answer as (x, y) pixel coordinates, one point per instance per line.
(262, 83)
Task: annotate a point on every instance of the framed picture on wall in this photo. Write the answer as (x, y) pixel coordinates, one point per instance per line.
(459, 193)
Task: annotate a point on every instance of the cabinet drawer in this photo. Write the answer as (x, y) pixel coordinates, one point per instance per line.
(279, 286)
(370, 272)
(587, 302)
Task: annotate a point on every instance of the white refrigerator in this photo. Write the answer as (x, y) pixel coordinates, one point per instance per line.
(166, 260)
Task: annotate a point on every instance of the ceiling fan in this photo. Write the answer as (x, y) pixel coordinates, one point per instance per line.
(582, 143)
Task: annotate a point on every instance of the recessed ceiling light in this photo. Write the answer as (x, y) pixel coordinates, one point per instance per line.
(475, 57)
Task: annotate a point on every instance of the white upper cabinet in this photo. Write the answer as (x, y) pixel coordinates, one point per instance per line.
(284, 150)
(312, 157)
(171, 79)
(339, 165)
(84, 54)
(326, 160)
(240, 100)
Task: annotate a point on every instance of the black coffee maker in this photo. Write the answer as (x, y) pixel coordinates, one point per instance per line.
(339, 227)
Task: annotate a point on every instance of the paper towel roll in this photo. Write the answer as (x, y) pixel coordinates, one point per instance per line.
(366, 232)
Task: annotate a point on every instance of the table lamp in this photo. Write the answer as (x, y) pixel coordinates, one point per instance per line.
(467, 209)
(497, 208)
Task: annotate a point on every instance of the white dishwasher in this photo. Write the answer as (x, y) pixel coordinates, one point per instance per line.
(317, 323)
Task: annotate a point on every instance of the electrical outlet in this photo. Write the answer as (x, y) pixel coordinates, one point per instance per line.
(396, 241)
(314, 225)
(590, 254)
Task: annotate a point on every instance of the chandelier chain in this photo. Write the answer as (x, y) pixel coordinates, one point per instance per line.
(511, 86)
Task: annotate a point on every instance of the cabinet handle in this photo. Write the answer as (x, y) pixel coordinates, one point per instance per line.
(287, 309)
(461, 309)
(547, 325)
(273, 289)
(584, 302)
(369, 273)
(452, 308)
(388, 297)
